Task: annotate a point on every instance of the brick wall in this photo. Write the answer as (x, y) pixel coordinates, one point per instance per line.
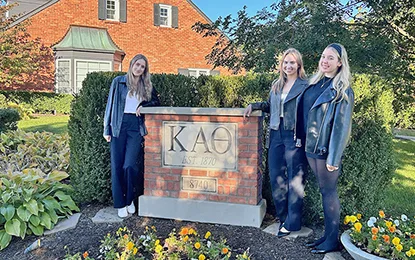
(242, 186)
(166, 48)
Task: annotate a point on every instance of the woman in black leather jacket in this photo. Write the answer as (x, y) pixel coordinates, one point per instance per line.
(124, 128)
(286, 158)
(327, 106)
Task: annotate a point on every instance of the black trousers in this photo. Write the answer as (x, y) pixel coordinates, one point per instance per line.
(125, 151)
(287, 169)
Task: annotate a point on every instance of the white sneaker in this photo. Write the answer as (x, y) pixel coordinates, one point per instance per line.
(122, 212)
(131, 208)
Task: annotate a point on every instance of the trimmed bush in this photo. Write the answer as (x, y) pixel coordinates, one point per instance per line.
(8, 119)
(39, 102)
(368, 161)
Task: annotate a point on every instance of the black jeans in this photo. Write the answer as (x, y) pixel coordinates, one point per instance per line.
(125, 150)
(287, 170)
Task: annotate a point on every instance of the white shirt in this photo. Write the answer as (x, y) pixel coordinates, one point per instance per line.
(283, 97)
(131, 103)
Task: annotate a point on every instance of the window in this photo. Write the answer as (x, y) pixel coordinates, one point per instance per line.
(197, 72)
(63, 76)
(113, 12)
(166, 16)
(83, 67)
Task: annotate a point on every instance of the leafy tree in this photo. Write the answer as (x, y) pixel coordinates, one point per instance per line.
(23, 60)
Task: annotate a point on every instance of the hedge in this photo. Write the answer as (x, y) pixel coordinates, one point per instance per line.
(8, 119)
(368, 161)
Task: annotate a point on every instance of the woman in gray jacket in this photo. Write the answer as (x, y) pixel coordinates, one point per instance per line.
(327, 106)
(286, 159)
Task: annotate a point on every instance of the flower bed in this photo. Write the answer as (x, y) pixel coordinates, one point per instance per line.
(187, 244)
(392, 238)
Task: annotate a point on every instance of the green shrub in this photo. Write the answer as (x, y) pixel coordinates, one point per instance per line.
(39, 102)
(32, 197)
(89, 162)
(8, 119)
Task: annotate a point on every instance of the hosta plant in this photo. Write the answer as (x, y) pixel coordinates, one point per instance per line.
(388, 237)
(32, 201)
(187, 244)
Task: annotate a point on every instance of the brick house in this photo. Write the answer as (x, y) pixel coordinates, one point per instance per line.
(104, 35)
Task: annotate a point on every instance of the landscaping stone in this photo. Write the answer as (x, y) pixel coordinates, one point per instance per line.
(107, 215)
(66, 224)
(304, 232)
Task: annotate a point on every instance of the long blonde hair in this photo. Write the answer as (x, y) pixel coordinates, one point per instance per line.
(279, 83)
(143, 87)
(342, 80)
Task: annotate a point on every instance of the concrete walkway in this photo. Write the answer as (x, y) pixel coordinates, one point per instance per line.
(405, 137)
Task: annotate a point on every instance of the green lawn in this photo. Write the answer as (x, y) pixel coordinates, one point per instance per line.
(400, 193)
(54, 124)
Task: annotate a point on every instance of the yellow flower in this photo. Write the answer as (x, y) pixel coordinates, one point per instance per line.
(408, 253)
(207, 235)
(85, 254)
(130, 245)
(135, 250)
(412, 251)
(399, 247)
(225, 250)
(157, 242)
(197, 245)
(353, 219)
(359, 216)
(186, 238)
(381, 214)
(388, 224)
(184, 231)
(396, 241)
(346, 220)
(202, 257)
(158, 249)
(192, 231)
(358, 226)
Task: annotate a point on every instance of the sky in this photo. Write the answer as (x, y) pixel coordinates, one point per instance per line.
(215, 8)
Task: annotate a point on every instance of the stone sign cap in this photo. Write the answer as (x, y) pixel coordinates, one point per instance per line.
(197, 111)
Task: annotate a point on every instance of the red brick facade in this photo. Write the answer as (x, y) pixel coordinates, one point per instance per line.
(242, 186)
(166, 48)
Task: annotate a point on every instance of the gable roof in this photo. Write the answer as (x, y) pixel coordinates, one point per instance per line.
(84, 38)
(51, 2)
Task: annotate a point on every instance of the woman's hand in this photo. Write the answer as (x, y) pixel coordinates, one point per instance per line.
(248, 111)
(331, 168)
(137, 112)
(107, 138)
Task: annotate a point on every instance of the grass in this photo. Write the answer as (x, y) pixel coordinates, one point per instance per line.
(400, 195)
(54, 124)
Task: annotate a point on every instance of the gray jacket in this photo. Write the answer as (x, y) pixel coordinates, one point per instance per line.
(114, 110)
(329, 125)
(290, 106)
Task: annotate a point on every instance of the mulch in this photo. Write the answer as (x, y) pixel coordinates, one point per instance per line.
(87, 236)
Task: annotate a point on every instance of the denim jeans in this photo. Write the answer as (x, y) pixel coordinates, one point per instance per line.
(287, 170)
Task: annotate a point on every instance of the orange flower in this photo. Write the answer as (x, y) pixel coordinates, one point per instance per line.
(375, 230)
(381, 214)
(374, 237)
(197, 245)
(125, 236)
(225, 250)
(386, 238)
(85, 255)
(184, 231)
(392, 229)
(412, 236)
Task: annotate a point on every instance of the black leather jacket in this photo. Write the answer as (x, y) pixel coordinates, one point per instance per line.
(329, 125)
(290, 105)
(114, 110)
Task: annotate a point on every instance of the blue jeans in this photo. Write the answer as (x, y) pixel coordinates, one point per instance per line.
(125, 151)
(287, 170)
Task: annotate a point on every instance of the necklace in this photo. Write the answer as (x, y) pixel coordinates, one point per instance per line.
(325, 81)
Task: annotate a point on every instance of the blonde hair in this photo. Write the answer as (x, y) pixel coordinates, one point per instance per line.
(279, 83)
(143, 87)
(342, 80)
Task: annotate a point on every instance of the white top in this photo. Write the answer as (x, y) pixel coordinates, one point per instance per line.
(131, 103)
(283, 97)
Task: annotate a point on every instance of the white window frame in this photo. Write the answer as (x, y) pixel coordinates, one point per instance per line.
(75, 87)
(70, 74)
(169, 15)
(116, 10)
(198, 71)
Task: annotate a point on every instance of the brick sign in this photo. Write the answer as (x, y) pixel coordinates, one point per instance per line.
(200, 145)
